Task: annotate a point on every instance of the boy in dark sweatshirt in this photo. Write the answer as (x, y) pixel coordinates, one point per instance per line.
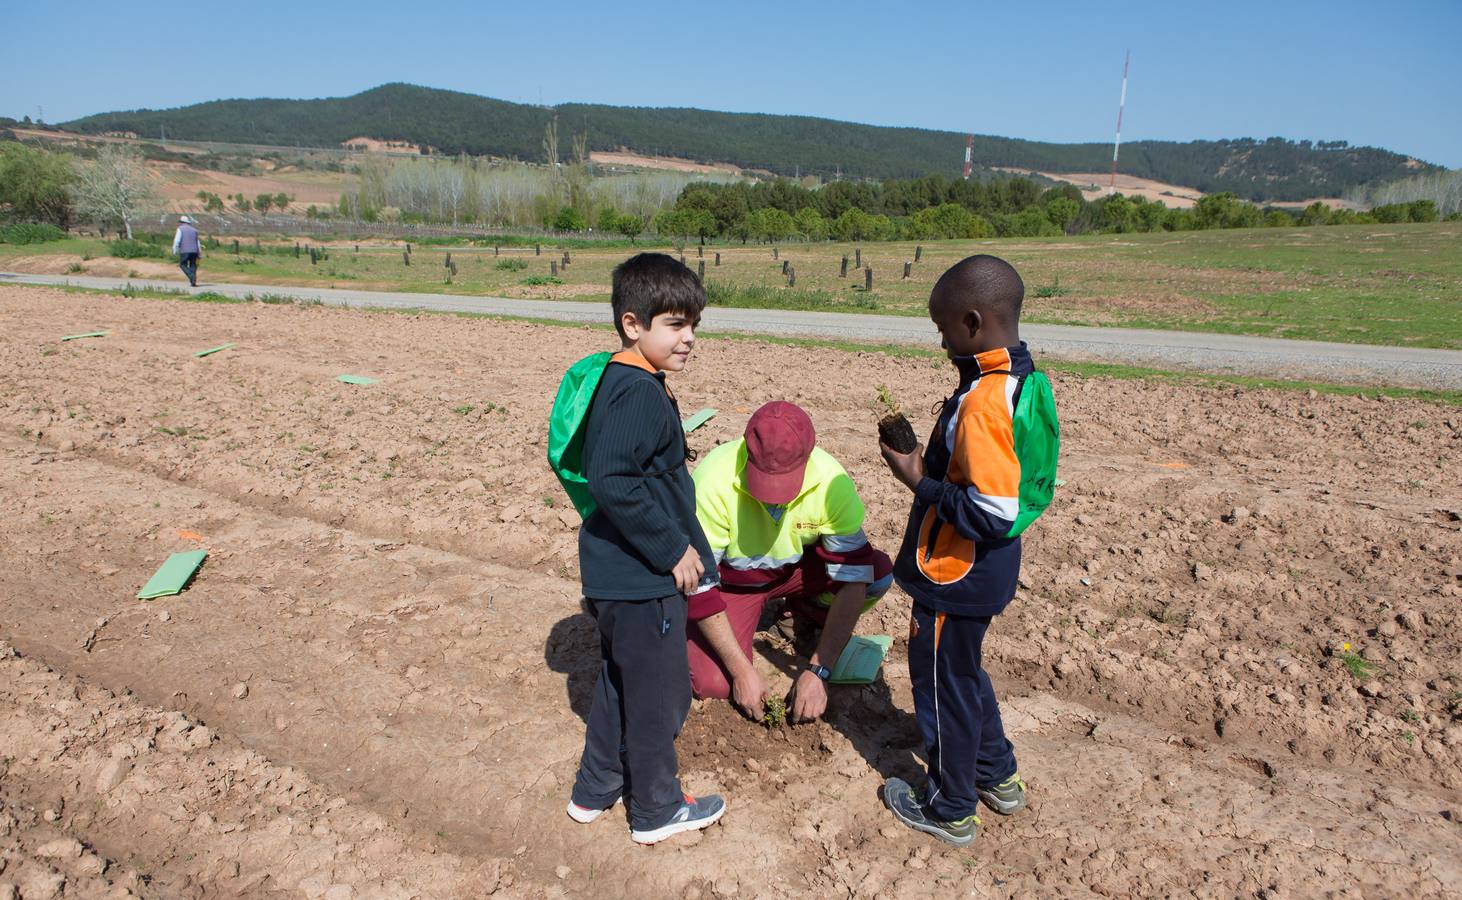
(956, 562)
(641, 553)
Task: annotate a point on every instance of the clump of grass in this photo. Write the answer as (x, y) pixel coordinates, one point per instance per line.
(775, 712)
(1051, 290)
(511, 264)
(534, 280)
(1359, 667)
(464, 409)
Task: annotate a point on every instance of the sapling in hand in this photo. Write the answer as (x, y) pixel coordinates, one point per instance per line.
(894, 429)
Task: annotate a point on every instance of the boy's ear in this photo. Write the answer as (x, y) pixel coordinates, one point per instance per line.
(973, 321)
(630, 323)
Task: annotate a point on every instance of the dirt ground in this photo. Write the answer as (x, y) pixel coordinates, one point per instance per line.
(375, 685)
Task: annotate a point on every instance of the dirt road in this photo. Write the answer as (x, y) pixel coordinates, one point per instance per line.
(1231, 669)
(1192, 351)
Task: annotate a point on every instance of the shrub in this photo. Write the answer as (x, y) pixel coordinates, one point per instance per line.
(511, 265)
(534, 280)
(131, 249)
(30, 233)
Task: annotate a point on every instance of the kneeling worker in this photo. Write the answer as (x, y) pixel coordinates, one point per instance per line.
(784, 520)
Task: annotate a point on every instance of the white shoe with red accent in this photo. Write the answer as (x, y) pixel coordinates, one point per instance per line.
(583, 814)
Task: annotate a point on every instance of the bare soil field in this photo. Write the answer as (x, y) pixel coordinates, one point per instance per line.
(1232, 668)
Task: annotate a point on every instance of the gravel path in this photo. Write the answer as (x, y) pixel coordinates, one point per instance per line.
(1212, 353)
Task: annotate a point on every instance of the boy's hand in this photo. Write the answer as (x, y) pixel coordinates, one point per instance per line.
(906, 467)
(687, 573)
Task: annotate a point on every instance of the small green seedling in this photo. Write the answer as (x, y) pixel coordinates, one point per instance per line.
(776, 712)
(1358, 667)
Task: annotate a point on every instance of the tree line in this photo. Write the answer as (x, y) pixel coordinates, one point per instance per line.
(453, 123)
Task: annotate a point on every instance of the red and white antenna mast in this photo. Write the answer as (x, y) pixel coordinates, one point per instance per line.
(1121, 104)
(969, 150)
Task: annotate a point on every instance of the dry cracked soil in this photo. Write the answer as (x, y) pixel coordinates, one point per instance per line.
(1232, 668)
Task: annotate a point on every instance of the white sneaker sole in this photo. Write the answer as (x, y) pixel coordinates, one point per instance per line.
(583, 815)
(674, 828)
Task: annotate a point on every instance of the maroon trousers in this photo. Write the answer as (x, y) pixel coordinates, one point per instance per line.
(808, 592)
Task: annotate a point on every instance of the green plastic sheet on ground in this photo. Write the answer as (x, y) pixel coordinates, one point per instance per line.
(355, 379)
(172, 575)
(77, 337)
(212, 350)
(861, 659)
(698, 420)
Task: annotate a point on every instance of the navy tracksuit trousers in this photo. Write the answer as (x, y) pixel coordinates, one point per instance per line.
(640, 701)
(957, 712)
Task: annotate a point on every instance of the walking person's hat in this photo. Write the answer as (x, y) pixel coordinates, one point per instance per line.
(779, 439)
(187, 219)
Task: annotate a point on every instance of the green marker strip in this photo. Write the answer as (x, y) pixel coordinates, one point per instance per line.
(698, 420)
(212, 350)
(355, 379)
(173, 575)
(77, 337)
(861, 659)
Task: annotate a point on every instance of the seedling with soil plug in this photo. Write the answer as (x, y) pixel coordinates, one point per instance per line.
(776, 712)
(894, 428)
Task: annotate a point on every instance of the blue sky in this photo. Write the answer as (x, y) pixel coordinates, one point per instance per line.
(1331, 71)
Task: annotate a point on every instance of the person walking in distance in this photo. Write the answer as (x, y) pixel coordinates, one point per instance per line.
(187, 248)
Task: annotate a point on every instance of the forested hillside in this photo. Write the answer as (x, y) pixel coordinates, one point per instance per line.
(453, 122)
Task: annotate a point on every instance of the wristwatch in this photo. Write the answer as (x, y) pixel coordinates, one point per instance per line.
(822, 672)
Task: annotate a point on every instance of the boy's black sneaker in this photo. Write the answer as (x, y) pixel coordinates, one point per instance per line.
(695, 813)
(908, 806)
(1006, 798)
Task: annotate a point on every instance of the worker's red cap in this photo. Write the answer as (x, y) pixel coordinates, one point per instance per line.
(779, 439)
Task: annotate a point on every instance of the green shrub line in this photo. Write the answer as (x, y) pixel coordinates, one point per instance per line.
(30, 233)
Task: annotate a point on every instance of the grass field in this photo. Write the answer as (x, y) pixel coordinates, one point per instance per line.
(1376, 284)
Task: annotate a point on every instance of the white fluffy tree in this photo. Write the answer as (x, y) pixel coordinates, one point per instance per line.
(113, 190)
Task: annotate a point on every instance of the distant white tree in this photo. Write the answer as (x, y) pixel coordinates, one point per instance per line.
(113, 190)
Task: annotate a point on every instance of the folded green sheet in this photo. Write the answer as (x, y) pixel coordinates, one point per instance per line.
(172, 575)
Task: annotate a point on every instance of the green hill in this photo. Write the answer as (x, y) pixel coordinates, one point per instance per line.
(453, 122)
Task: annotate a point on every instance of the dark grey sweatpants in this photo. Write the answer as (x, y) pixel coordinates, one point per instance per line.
(640, 701)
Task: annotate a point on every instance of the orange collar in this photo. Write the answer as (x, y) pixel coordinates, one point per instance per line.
(633, 359)
(993, 360)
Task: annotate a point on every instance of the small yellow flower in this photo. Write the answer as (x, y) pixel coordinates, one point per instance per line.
(1345, 646)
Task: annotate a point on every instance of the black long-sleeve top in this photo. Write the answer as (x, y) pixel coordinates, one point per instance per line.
(634, 458)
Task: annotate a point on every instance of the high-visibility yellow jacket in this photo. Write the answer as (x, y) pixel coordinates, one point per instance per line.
(753, 548)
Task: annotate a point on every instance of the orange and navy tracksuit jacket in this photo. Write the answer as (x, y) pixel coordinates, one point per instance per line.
(955, 556)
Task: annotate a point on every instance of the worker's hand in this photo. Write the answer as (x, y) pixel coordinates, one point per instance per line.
(749, 692)
(687, 573)
(906, 467)
(808, 699)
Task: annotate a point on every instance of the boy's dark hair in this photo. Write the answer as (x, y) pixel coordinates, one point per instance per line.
(651, 284)
(985, 283)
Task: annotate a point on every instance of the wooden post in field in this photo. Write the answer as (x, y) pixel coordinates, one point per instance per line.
(448, 263)
(718, 257)
(700, 249)
(314, 257)
(868, 279)
(453, 267)
(406, 257)
(296, 249)
(408, 248)
(553, 267)
(682, 259)
(537, 249)
(494, 249)
(701, 270)
(774, 251)
(786, 264)
(565, 263)
(858, 258)
(791, 278)
(357, 248)
(908, 269)
(236, 246)
(843, 272)
(918, 252)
